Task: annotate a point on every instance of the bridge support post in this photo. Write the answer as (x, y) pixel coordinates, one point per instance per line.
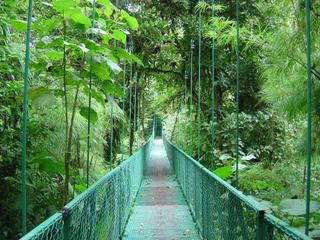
(120, 204)
(260, 225)
(66, 223)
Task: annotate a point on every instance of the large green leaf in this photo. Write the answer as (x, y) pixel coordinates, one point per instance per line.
(123, 54)
(19, 25)
(64, 6)
(97, 31)
(78, 17)
(80, 187)
(84, 111)
(101, 70)
(107, 4)
(48, 163)
(113, 66)
(97, 95)
(54, 55)
(223, 172)
(71, 10)
(131, 21)
(113, 89)
(120, 36)
(137, 60)
(41, 97)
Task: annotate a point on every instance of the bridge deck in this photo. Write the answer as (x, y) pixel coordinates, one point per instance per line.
(160, 211)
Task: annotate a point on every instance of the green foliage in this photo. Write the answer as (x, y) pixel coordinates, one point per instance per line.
(131, 21)
(93, 114)
(273, 100)
(63, 44)
(48, 164)
(223, 172)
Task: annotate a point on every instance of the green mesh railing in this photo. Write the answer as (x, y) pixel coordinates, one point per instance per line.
(221, 211)
(101, 211)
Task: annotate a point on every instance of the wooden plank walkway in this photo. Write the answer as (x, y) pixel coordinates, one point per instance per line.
(160, 211)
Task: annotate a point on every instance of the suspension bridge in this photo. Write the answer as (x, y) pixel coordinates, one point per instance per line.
(160, 192)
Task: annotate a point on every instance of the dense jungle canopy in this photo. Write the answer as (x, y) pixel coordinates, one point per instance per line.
(141, 58)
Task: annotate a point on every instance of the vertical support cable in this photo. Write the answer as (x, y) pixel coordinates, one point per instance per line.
(308, 186)
(185, 106)
(111, 139)
(212, 82)
(130, 98)
(124, 94)
(178, 143)
(123, 106)
(199, 86)
(111, 129)
(191, 91)
(237, 89)
(90, 98)
(135, 106)
(67, 158)
(24, 123)
(138, 111)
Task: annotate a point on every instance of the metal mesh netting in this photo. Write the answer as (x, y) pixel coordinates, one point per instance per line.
(100, 212)
(277, 229)
(219, 210)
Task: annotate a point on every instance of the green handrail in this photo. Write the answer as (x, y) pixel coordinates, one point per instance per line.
(221, 211)
(100, 212)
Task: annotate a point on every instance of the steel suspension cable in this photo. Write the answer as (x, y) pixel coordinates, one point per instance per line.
(24, 122)
(192, 46)
(111, 139)
(130, 97)
(185, 106)
(124, 94)
(123, 106)
(90, 98)
(138, 112)
(178, 143)
(112, 121)
(309, 120)
(213, 87)
(199, 84)
(135, 106)
(237, 88)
